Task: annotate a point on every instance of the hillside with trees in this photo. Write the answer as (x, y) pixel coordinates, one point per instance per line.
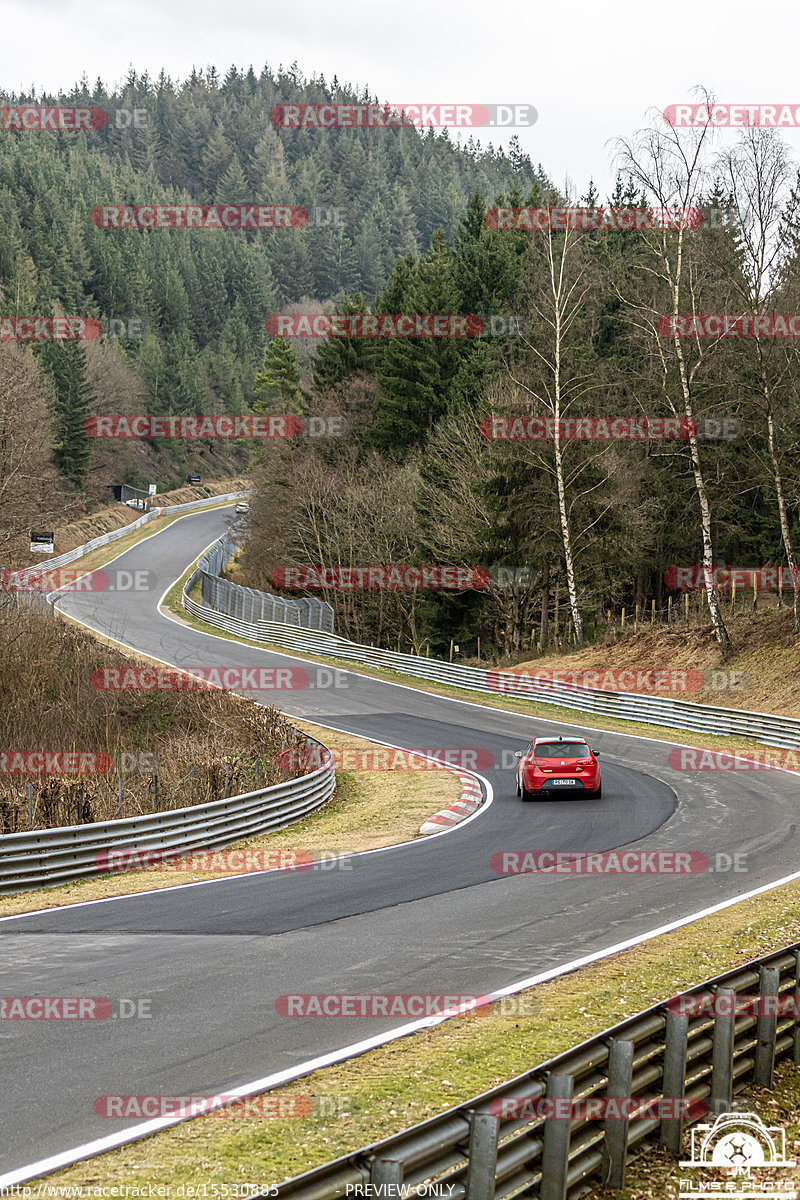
(197, 300)
(578, 324)
(570, 527)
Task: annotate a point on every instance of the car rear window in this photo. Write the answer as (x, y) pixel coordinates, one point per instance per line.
(561, 750)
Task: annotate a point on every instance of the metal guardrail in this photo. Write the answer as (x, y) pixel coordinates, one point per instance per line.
(48, 857)
(767, 728)
(661, 1052)
(46, 600)
(249, 604)
(63, 559)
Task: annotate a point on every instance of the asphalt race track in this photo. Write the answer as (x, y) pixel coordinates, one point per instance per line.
(430, 916)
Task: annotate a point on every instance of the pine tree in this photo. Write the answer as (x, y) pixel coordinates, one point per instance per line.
(339, 357)
(216, 161)
(266, 170)
(416, 374)
(66, 364)
(278, 382)
(233, 187)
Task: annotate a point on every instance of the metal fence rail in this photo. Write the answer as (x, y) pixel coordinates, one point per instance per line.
(63, 559)
(660, 1052)
(44, 601)
(48, 857)
(248, 604)
(767, 728)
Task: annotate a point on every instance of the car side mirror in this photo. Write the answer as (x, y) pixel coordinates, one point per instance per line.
(596, 753)
(517, 754)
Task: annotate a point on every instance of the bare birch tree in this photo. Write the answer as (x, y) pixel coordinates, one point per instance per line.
(551, 376)
(757, 174)
(670, 167)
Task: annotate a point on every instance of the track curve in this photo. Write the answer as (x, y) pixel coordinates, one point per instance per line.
(428, 916)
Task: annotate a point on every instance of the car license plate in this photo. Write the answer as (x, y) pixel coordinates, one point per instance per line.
(563, 782)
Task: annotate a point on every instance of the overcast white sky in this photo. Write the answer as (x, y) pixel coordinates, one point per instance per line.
(592, 70)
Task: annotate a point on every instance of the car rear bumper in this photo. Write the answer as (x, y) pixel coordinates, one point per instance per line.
(565, 787)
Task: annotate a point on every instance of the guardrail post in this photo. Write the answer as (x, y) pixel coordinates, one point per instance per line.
(767, 1027)
(387, 1176)
(674, 1078)
(722, 1055)
(796, 1054)
(555, 1150)
(482, 1155)
(30, 805)
(615, 1130)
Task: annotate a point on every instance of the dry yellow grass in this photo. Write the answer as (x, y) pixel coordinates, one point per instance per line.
(395, 1086)
(763, 648)
(386, 1090)
(115, 516)
(363, 814)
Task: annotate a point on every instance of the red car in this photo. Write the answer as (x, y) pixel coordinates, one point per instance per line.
(553, 765)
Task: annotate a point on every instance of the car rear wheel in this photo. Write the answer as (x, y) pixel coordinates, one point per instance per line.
(597, 794)
(526, 795)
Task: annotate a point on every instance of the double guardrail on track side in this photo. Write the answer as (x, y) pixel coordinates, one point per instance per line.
(662, 1052)
(249, 604)
(38, 599)
(115, 534)
(47, 857)
(468, 1149)
(767, 728)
